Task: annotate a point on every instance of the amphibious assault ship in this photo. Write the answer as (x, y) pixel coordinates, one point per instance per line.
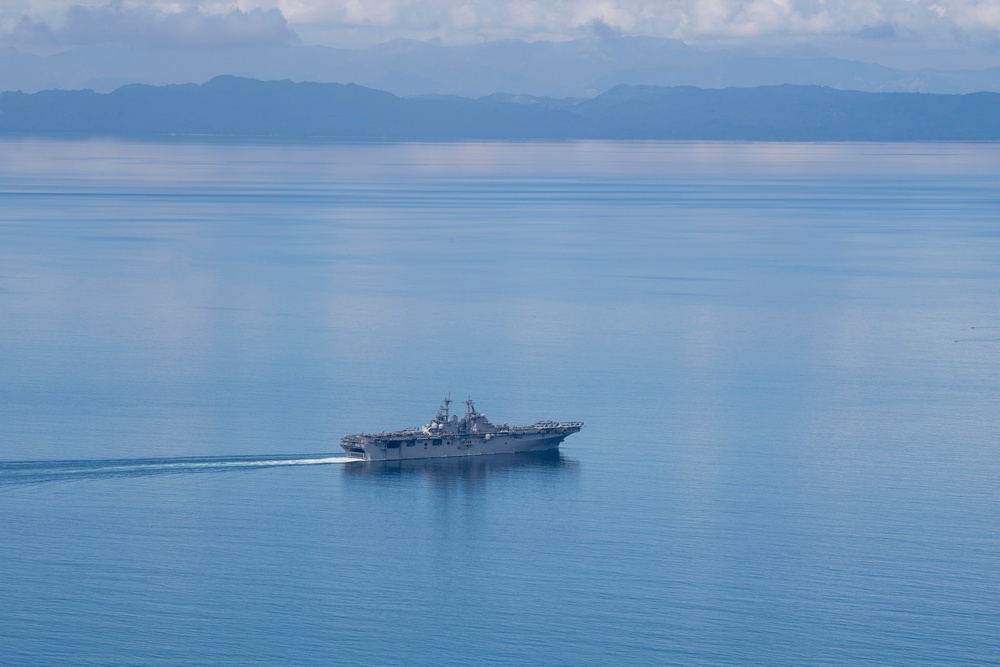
(447, 435)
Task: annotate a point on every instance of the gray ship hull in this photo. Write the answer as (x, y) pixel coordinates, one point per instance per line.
(425, 448)
(447, 437)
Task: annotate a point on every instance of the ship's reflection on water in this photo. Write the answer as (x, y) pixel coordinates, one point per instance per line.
(472, 472)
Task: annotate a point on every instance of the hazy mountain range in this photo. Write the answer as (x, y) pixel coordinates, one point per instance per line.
(232, 107)
(577, 68)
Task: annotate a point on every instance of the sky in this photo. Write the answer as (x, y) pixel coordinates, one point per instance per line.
(967, 29)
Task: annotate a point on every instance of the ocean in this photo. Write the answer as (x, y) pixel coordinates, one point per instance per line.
(787, 357)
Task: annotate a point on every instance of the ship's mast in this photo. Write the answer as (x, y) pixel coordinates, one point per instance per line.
(471, 408)
(446, 406)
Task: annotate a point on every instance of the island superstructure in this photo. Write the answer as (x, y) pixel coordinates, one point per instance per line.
(447, 435)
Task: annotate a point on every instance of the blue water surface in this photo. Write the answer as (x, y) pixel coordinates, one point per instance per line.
(787, 357)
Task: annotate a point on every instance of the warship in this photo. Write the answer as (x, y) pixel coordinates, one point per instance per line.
(447, 435)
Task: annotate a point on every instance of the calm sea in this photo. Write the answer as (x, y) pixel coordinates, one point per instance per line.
(787, 357)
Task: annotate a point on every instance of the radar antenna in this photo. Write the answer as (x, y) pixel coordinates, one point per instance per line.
(471, 407)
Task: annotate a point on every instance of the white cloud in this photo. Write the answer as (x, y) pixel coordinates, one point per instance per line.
(263, 21)
(984, 15)
(684, 19)
(151, 25)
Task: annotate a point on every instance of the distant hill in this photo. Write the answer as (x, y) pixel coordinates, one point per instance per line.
(233, 107)
(575, 68)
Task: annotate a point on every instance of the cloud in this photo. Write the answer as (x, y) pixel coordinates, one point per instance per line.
(124, 25)
(602, 30)
(973, 15)
(452, 20)
(196, 22)
(882, 30)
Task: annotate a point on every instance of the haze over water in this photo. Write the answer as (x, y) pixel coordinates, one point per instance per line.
(787, 357)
